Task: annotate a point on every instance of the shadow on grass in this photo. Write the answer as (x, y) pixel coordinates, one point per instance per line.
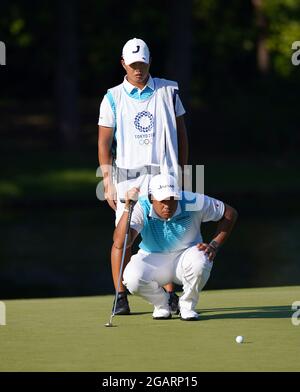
(174, 316)
(246, 312)
(238, 312)
(139, 313)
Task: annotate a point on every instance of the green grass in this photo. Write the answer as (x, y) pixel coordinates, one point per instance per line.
(69, 335)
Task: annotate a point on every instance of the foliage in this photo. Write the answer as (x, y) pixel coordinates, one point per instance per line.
(284, 29)
(227, 90)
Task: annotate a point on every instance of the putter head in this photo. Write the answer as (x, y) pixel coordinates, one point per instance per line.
(110, 324)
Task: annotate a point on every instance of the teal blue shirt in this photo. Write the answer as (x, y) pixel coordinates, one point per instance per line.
(179, 232)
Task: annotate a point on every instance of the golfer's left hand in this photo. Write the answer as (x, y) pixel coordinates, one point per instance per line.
(208, 250)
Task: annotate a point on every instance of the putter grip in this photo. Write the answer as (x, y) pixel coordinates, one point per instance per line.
(131, 205)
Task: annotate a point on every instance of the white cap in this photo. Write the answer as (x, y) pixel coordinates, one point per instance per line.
(135, 50)
(164, 186)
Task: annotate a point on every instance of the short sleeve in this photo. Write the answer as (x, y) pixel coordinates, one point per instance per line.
(179, 109)
(137, 218)
(106, 115)
(212, 210)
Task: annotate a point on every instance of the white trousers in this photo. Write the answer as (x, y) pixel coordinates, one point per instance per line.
(146, 273)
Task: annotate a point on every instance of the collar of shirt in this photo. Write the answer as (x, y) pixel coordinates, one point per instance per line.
(153, 214)
(135, 92)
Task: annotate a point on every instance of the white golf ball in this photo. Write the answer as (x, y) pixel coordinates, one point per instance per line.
(239, 339)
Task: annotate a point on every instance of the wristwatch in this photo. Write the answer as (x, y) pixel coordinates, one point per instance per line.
(213, 244)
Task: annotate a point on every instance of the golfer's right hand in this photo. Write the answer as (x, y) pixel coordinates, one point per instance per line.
(132, 196)
(110, 195)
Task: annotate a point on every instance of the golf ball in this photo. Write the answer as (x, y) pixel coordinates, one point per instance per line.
(239, 339)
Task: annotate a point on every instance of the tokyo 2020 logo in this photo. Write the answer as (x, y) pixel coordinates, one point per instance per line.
(143, 121)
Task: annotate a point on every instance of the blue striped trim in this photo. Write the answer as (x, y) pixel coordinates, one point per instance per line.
(111, 102)
(113, 108)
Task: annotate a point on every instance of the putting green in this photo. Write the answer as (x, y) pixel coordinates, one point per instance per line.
(68, 334)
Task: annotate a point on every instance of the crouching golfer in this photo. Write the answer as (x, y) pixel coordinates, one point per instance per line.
(172, 248)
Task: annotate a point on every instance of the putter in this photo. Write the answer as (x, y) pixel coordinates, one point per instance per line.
(110, 324)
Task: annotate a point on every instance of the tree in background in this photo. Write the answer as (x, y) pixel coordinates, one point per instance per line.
(284, 29)
(67, 76)
(262, 51)
(216, 50)
(179, 52)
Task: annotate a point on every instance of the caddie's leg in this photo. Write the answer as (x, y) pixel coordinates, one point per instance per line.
(145, 275)
(122, 306)
(116, 258)
(173, 298)
(193, 271)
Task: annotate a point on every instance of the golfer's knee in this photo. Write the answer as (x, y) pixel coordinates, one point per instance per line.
(199, 265)
(132, 284)
(137, 283)
(132, 279)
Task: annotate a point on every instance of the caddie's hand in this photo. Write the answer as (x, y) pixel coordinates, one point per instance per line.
(110, 195)
(132, 196)
(208, 249)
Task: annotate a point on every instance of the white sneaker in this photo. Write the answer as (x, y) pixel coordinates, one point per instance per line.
(161, 313)
(188, 315)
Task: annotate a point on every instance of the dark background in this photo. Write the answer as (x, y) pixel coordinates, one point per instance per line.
(241, 92)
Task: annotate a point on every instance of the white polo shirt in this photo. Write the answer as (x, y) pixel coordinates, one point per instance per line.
(107, 116)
